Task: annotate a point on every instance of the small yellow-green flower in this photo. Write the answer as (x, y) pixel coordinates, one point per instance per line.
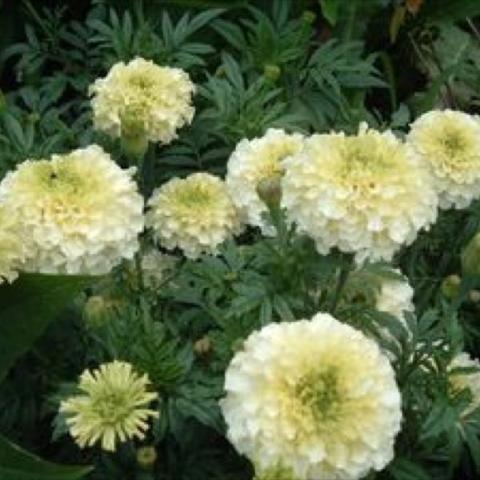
(195, 214)
(448, 142)
(112, 407)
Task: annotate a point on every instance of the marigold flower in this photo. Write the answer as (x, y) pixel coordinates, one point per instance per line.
(112, 406)
(195, 214)
(253, 161)
(80, 211)
(316, 397)
(471, 381)
(142, 99)
(448, 143)
(366, 194)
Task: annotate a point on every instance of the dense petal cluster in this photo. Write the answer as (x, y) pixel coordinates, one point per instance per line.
(195, 214)
(12, 248)
(81, 212)
(143, 98)
(466, 380)
(253, 161)
(365, 193)
(448, 142)
(112, 406)
(314, 396)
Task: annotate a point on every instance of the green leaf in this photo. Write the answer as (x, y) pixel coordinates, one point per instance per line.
(330, 10)
(403, 469)
(450, 11)
(27, 307)
(17, 464)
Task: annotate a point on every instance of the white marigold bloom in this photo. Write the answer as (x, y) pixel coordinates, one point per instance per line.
(195, 214)
(365, 193)
(12, 248)
(81, 212)
(253, 161)
(112, 406)
(448, 142)
(316, 397)
(466, 380)
(141, 95)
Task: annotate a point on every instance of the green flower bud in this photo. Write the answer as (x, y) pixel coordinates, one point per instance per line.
(270, 191)
(146, 457)
(471, 257)
(309, 16)
(133, 139)
(95, 310)
(203, 346)
(474, 296)
(220, 72)
(272, 72)
(451, 286)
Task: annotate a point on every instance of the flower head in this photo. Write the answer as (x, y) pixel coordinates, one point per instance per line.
(395, 297)
(195, 214)
(466, 380)
(12, 248)
(448, 143)
(253, 161)
(112, 406)
(81, 212)
(143, 99)
(316, 397)
(365, 193)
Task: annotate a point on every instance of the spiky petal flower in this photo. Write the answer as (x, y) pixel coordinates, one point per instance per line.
(466, 380)
(111, 407)
(195, 214)
(12, 247)
(141, 98)
(365, 193)
(253, 161)
(81, 212)
(448, 142)
(314, 396)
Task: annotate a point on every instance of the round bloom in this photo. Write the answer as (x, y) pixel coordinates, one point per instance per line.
(448, 142)
(195, 214)
(143, 98)
(314, 396)
(253, 161)
(365, 194)
(112, 406)
(12, 250)
(466, 380)
(81, 212)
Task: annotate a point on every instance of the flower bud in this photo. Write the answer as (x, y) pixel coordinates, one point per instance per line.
(309, 16)
(146, 457)
(451, 286)
(474, 296)
(471, 257)
(95, 311)
(133, 139)
(203, 346)
(270, 191)
(272, 72)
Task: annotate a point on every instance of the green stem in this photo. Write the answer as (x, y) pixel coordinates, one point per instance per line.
(345, 269)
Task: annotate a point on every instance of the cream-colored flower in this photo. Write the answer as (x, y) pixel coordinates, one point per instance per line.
(253, 161)
(466, 380)
(448, 142)
(141, 98)
(80, 211)
(195, 214)
(314, 396)
(12, 248)
(365, 193)
(112, 406)
(395, 297)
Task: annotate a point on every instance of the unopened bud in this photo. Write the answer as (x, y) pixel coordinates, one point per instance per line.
(220, 71)
(270, 191)
(471, 257)
(133, 138)
(146, 457)
(272, 72)
(474, 296)
(203, 346)
(309, 16)
(94, 310)
(451, 286)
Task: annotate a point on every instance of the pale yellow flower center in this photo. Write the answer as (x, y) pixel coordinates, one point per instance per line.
(113, 407)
